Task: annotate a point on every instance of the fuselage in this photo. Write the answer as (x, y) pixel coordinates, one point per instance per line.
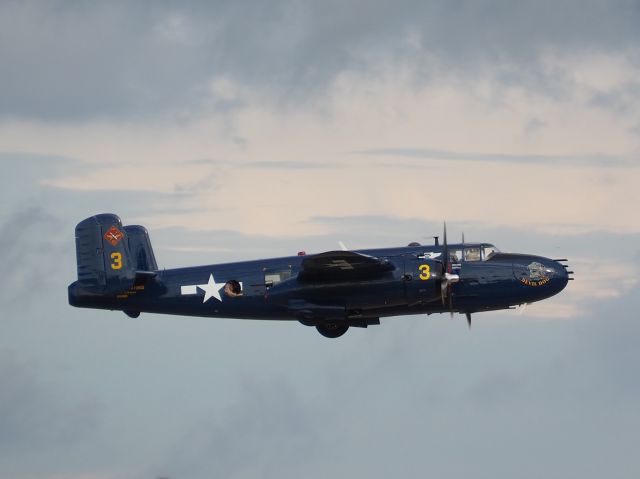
(269, 288)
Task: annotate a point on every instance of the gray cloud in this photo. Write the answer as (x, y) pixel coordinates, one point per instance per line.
(433, 154)
(534, 125)
(206, 183)
(31, 415)
(31, 248)
(260, 434)
(266, 164)
(71, 61)
(623, 99)
(288, 165)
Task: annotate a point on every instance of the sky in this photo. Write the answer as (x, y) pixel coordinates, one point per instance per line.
(245, 130)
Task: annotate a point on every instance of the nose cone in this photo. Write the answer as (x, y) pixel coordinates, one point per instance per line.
(559, 278)
(545, 277)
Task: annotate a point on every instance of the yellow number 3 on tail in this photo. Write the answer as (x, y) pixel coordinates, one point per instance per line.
(425, 272)
(116, 260)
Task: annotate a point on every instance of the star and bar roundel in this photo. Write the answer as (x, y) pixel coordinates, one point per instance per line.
(211, 289)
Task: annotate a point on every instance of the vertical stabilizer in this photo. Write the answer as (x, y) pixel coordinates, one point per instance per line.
(103, 255)
(140, 248)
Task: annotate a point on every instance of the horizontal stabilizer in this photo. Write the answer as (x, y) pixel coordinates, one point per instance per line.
(146, 274)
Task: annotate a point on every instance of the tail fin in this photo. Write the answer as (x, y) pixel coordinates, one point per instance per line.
(140, 248)
(110, 256)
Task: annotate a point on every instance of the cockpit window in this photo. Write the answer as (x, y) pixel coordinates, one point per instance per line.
(472, 254)
(488, 250)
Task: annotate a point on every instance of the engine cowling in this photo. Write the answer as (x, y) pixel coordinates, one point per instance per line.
(422, 280)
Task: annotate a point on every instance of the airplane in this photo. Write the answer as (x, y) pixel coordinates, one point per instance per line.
(331, 291)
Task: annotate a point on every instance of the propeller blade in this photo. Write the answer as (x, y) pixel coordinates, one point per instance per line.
(447, 278)
(468, 315)
(445, 247)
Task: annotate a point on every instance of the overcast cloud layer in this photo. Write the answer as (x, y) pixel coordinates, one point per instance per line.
(79, 61)
(244, 130)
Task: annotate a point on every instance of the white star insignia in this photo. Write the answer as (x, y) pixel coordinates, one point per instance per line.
(211, 289)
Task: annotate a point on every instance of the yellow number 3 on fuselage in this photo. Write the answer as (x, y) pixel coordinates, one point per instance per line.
(425, 272)
(116, 260)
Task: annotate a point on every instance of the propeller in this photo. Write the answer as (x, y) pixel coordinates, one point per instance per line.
(447, 277)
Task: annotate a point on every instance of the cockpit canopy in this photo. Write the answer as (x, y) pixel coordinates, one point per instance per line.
(472, 252)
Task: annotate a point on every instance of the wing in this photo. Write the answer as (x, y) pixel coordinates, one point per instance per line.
(342, 266)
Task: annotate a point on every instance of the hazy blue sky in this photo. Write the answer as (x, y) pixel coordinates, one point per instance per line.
(239, 130)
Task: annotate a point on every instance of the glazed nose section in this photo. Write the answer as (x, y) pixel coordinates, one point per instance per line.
(546, 276)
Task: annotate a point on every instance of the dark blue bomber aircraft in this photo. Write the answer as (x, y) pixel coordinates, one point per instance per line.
(332, 291)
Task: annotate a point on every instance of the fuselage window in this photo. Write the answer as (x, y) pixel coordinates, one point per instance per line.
(272, 278)
(232, 288)
(455, 255)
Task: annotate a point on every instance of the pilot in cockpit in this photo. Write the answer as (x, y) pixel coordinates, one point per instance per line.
(472, 254)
